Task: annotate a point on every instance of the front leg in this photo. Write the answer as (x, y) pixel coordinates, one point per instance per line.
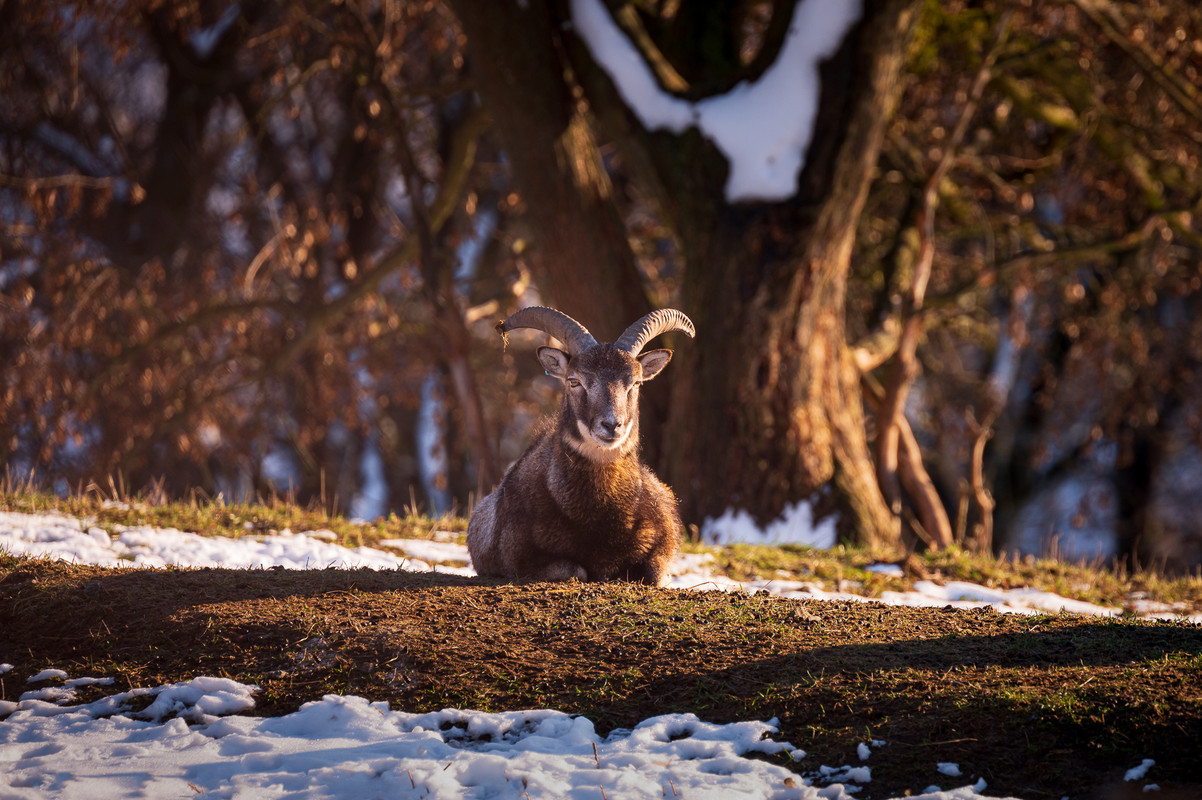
(529, 556)
(653, 572)
(560, 571)
(653, 568)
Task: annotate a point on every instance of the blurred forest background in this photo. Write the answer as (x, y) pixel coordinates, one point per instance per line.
(254, 248)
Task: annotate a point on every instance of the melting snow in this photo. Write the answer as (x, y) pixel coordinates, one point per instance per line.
(348, 747)
(1138, 773)
(795, 525)
(62, 537)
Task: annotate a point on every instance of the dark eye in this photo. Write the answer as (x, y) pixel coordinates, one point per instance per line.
(573, 383)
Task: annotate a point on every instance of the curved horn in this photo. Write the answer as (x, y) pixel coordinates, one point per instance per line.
(574, 336)
(652, 325)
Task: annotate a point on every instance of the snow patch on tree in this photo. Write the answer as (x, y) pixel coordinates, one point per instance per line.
(795, 525)
(763, 127)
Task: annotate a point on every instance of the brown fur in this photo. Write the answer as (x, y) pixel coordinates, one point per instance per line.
(569, 508)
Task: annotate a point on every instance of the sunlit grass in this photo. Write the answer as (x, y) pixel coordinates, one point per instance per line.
(840, 569)
(110, 506)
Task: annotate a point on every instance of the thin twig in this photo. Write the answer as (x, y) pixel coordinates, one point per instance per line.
(982, 432)
(1106, 17)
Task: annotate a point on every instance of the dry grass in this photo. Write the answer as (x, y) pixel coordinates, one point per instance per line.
(839, 568)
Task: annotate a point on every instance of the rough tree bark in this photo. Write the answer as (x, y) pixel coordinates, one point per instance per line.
(582, 258)
(767, 406)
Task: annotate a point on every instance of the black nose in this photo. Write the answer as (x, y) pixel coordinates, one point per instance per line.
(610, 428)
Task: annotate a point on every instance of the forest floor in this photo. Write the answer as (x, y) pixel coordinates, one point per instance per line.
(1044, 705)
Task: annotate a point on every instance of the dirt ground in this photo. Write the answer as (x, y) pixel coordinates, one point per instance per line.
(1038, 706)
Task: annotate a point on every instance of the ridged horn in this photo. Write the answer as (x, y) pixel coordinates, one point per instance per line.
(575, 337)
(666, 319)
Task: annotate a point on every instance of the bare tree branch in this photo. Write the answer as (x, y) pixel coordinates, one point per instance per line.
(932, 516)
(1114, 27)
(450, 316)
(905, 365)
(450, 189)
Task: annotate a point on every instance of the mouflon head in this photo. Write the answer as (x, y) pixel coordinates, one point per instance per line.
(601, 380)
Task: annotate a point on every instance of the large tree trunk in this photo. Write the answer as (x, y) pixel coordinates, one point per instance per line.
(768, 404)
(771, 400)
(767, 407)
(581, 256)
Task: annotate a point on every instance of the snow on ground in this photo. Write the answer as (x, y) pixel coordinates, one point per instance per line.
(57, 536)
(348, 747)
(794, 526)
(63, 537)
(191, 739)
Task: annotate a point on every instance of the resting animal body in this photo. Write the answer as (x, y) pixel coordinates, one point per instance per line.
(579, 503)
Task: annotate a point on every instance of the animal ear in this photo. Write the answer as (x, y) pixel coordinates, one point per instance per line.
(653, 361)
(554, 361)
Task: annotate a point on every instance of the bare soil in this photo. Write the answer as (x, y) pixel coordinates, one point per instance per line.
(1042, 706)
